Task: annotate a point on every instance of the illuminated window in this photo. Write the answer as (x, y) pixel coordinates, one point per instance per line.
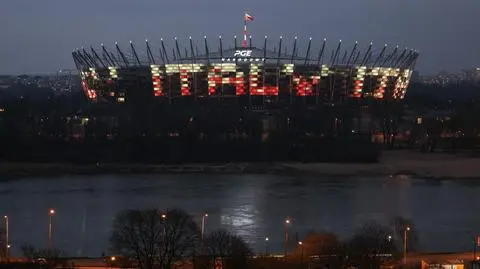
(157, 80)
(214, 77)
(256, 83)
(359, 82)
(89, 92)
(113, 72)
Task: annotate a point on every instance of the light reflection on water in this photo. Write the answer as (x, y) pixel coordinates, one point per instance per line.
(252, 206)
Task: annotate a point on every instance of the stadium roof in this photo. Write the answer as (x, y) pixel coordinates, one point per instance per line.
(312, 54)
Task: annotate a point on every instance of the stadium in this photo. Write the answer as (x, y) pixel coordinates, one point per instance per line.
(205, 100)
(256, 77)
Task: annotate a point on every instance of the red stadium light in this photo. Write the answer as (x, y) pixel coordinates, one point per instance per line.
(253, 71)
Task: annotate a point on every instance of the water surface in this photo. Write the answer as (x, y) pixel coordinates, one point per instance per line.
(446, 213)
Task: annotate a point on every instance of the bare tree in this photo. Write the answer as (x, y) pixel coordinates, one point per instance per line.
(182, 237)
(52, 257)
(230, 249)
(29, 251)
(3, 245)
(367, 243)
(155, 239)
(317, 243)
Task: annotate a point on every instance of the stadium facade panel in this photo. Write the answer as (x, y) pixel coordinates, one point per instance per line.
(274, 75)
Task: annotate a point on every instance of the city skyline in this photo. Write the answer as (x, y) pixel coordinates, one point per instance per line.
(41, 35)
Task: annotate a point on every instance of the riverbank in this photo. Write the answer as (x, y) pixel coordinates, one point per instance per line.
(400, 164)
(392, 163)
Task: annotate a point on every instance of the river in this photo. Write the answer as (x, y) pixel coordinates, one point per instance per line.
(445, 212)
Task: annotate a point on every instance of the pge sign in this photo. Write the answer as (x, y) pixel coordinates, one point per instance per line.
(242, 53)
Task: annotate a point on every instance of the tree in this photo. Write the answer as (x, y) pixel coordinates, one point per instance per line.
(155, 239)
(224, 245)
(3, 250)
(53, 257)
(29, 251)
(317, 243)
(367, 243)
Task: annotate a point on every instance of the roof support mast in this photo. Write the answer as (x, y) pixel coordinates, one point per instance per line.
(162, 56)
(265, 48)
(134, 52)
(344, 58)
(206, 49)
(76, 60)
(178, 49)
(122, 55)
(352, 53)
(335, 56)
(391, 56)
(367, 54)
(279, 50)
(87, 56)
(151, 59)
(379, 57)
(355, 61)
(115, 59)
(294, 49)
(191, 49)
(398, 60)
(98, 58)
(79, 58)
(308, 51)
(164, 51)
(320, 54)
(107, 56)
(221, 46)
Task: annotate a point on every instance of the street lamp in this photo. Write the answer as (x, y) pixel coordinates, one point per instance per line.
(164, 218)
(407, 229)
(300, 243)
(287, 223)
(51, 213)
(266, 246)
(204, 217)
(7, 243)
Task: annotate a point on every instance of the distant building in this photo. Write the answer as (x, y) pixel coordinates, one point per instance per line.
(445, 264)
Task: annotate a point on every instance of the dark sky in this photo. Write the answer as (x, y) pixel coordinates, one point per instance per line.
(37, 36)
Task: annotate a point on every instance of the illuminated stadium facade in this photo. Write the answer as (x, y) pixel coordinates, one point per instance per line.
(267, 76)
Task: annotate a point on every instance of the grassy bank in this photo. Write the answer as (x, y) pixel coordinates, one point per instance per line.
(391, 164)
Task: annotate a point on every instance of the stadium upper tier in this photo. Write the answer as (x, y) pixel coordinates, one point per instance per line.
(179, 71)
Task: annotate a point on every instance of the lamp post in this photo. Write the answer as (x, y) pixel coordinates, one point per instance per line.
(476, 243)
(7, 242)
(407, 229)
(164, 218)
(389, 240)
(266, 246)
(300, 243)
(287, 223)
(204, 217)
(51, 213)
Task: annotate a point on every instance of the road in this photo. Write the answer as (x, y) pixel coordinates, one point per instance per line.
(412, 258)
(418, 257)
